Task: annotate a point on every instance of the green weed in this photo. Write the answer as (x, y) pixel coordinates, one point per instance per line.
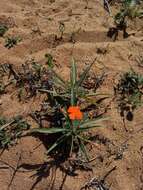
(129, 10)
(61, 31)
(139, 60)
(3, 30)
(3, 82)
(11, 42)
(129, 93)
(49, 61)
(27, 81)
(11, 130)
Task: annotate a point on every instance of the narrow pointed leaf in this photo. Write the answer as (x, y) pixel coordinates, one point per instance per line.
(58, 79)
(73, 82)
(84, 74)
(48, 130)
(73, 73)
(97, 94)
(83, 149)
(54, 93)
(58, 83)
(89, 127)
(59, 141)
(72, 142)
(93, 122)
(72, 96)
(84, 139)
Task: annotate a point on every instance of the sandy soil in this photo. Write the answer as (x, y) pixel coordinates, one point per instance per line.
(36, 22)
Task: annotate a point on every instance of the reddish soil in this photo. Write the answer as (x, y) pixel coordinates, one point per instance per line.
(36, 22)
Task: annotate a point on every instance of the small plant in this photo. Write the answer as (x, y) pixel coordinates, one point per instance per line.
(130, 10)
(28, 80)
(3, 30)
(70, 123)
(33, 77)
(2, 88)
(73, 35)
(3, 82)
(10, 130)
(11, 42)
(49, 61)
(139, 60)
(61, 31)
(129, 93)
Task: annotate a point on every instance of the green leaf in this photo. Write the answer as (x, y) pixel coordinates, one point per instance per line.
(84, 74)
(3, 30)
(83, 149)
(49, 60)
(130, 3)
(84, 139)
(92, 123)
(59, 141)
(54, 93)
(97, 94)
(48, 130)
(72, 96)
(68, 122)
(75, 123)
(73, 80)
(6, 125)
(88, 127)
(58, 79)
(73, 73)
(72, 143)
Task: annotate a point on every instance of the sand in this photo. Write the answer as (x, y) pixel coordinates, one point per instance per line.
(36, 23)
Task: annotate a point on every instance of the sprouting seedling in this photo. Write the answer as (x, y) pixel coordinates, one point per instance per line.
(11, 42)
(19, 125)
(27, 81)
(73, 34)
(38, 68)
(4, 71)
(139, 60)
(21, 93)
(2, 88)
(3, 30)
(11, 129)
(129, 10)
(132, 9)
(129, 93)
(61, 29)
(49, 61)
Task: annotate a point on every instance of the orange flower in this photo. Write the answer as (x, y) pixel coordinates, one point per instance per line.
(75, 113)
